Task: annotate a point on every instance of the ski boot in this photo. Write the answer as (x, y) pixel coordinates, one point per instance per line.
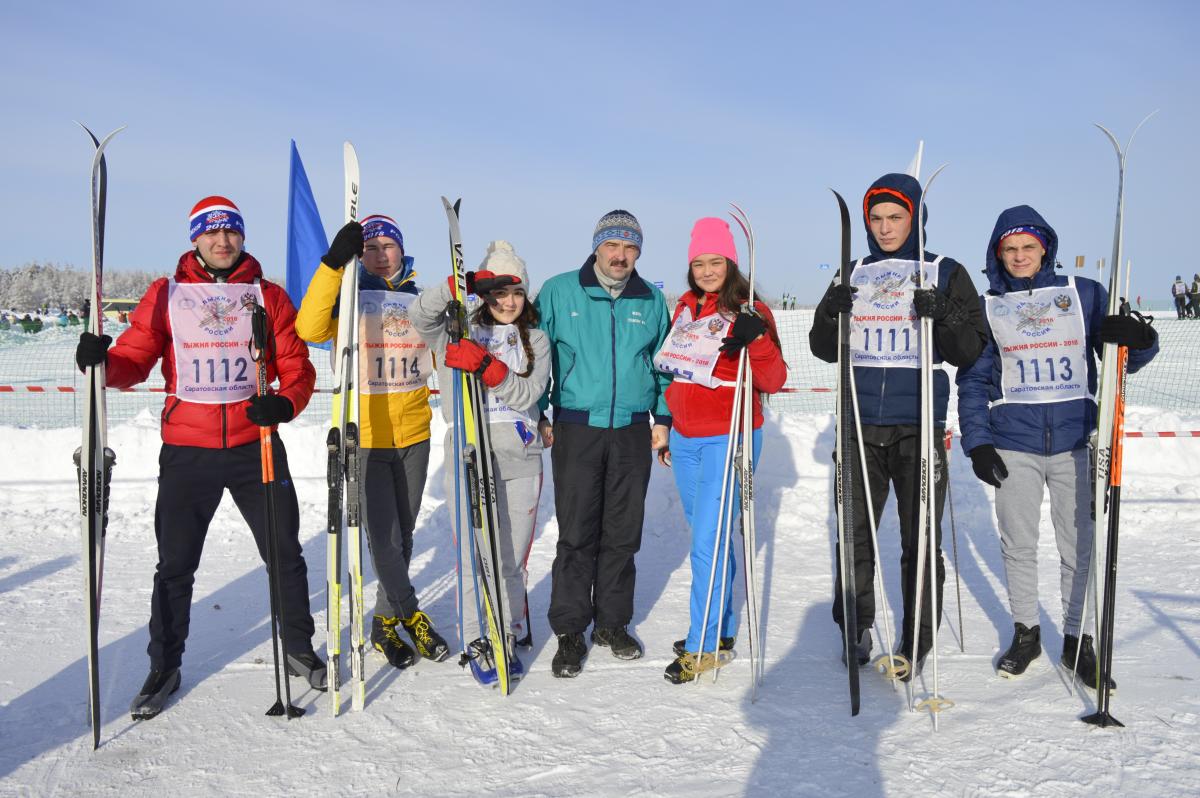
(387, 642)
(623, 645)
(1025, 648)
(1088, 671)
(426, 640)
(151, 699)
(568, 660)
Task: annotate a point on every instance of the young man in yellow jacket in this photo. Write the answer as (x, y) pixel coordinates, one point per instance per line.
(394, 364)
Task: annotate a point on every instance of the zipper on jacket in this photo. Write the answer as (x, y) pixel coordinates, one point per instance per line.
(168, 411)
(224, 428)
(612, 407)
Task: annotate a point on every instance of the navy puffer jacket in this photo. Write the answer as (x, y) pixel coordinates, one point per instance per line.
(892, 396)
(1047, 428)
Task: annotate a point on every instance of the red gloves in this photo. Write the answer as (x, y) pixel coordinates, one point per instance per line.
(470, 356)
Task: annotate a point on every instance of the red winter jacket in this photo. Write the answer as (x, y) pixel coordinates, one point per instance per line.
(701, 412)
(210, 426)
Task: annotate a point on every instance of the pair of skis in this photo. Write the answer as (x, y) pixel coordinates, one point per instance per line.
(475, 474)
(342, 476)
(1107, 453)
(94, 460)
(738, 470)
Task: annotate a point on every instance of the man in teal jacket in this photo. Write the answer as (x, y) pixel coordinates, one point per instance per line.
(604, 323)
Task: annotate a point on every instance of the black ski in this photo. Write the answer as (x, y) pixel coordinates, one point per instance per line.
(93, 459)
(845, 464)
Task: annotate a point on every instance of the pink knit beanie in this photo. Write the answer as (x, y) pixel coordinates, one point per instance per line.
(711, 236)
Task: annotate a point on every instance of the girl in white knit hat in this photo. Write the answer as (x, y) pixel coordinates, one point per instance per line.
(512, 358)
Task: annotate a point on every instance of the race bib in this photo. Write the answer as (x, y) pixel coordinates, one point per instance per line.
(1042, 343)
(392, 357)
(884, 329)
(692, 348)
(503, 342)
(211, 340)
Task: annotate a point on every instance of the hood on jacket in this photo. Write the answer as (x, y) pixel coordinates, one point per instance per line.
(999, 280)
(910, 188)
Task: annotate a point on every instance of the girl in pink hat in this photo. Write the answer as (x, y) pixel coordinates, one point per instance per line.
(708, 332)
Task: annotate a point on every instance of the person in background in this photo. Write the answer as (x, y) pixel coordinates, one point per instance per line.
(1179, 294)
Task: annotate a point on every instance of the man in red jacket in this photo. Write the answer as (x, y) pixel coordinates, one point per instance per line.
(196, 325)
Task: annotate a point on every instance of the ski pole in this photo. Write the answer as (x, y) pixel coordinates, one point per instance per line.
(962, 643)
(259, 346)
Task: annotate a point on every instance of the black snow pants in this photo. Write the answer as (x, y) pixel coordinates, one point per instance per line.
(600, 481)
(892, 456)
(191, 481)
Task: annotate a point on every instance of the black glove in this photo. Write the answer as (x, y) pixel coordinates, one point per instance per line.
(468, 279)
(92, 350)
(987, 464)
(346, 244)
(269, 410)
(746, 328)
(930, 303)
(838, 299)
(1128, 331)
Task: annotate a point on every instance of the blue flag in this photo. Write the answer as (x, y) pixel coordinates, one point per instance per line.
(306, 241)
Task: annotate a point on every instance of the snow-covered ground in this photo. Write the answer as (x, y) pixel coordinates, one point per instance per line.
(619, 728)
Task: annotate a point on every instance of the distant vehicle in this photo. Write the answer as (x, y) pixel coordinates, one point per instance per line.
(113, 307)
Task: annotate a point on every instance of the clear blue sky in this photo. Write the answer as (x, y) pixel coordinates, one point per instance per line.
(543, 116)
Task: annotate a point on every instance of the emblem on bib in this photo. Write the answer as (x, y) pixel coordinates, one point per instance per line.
(1034, 323)
(220, 314)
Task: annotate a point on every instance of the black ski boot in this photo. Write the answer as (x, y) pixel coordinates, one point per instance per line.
(308, 665)
(679, 646)
(1088, 670)
(568, 660)
(862, 651)
(1026, 647)
(620, 641)
(152, 697)
(428, 642)
(387, 642)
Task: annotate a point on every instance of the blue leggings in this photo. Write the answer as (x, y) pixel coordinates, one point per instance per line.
(698, 464)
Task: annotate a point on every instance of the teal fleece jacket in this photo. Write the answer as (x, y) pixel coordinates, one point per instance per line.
(602, 349)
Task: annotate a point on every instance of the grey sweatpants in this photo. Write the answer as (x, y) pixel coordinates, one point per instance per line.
(1018, 513)
(392, 483)
(516, 510)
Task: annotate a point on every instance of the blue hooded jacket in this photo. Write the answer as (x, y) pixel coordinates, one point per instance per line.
(892, 396)
(1047, 428)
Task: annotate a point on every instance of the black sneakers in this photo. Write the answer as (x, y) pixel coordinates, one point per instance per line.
(387, 642)
(1026, 647)
(1087, 671)
(862, 651)
(151, 699)
(620, 641)
(428, 642)
(568, 660)
(308, 665)
(679, 646)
